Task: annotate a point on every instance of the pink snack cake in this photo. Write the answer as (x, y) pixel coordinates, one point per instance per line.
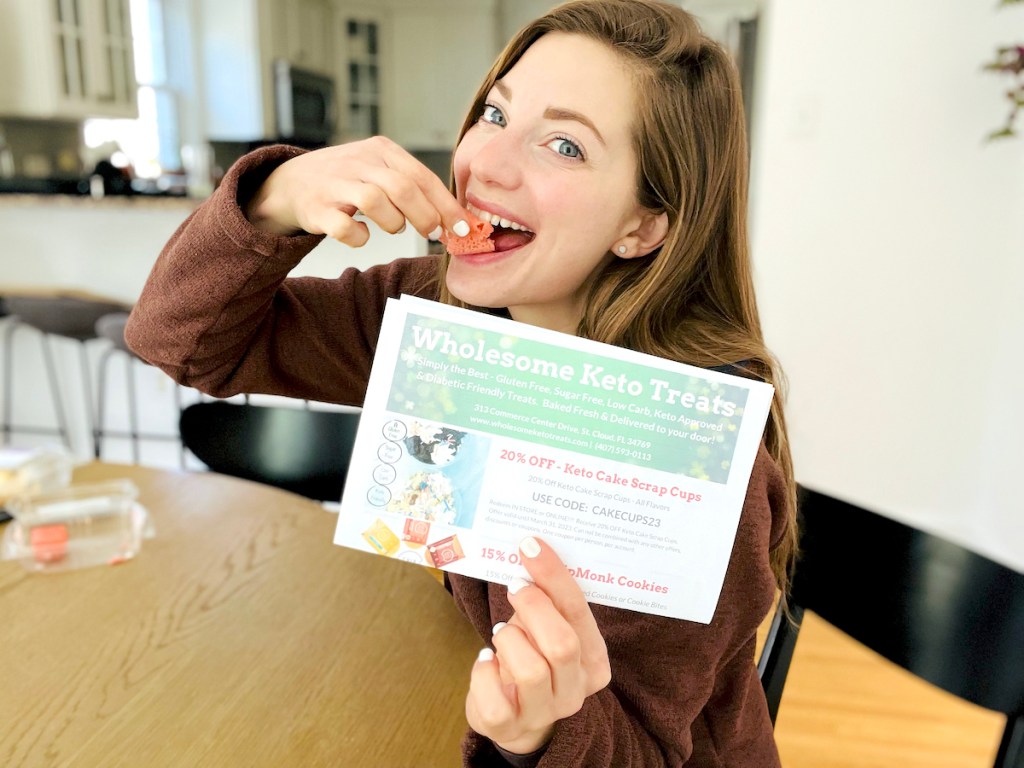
(477, 241)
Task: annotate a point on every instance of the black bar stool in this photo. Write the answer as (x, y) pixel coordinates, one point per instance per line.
(111, 327)
(67, 316)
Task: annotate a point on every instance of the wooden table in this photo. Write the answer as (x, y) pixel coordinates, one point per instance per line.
(239, 636)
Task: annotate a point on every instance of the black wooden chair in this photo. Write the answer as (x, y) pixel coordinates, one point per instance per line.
(300, 450)
(946, 614)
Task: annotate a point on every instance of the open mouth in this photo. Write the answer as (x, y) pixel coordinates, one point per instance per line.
(506, 234)
(490, 233)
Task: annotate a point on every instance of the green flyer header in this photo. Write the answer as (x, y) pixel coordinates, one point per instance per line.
(566, 398)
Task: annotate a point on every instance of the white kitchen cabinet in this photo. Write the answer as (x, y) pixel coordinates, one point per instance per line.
(308, 35)
(439, 57)
(67, 59)
(359, 71)
(299, 31)
(429, 60)
(404, 68)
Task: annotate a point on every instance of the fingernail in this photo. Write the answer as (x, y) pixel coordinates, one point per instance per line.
(461, 228)
(401, 229)
(486, 654)
(498, 627)
(516, 584)
(529, 547)
(436, 234)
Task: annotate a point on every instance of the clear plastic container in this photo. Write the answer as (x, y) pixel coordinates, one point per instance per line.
(28, 471)
(76, 527)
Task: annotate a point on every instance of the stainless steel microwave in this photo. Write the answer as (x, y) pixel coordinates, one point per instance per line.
(306, 104)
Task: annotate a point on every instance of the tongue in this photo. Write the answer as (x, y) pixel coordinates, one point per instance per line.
(507, 239)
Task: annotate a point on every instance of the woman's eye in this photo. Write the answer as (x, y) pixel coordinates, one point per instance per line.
(492, 114)
(566, 148)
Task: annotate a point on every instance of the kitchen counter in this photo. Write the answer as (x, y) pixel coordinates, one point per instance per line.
(107, 246)
(104, 246)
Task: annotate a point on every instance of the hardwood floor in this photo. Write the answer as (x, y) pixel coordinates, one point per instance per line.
(846, 707)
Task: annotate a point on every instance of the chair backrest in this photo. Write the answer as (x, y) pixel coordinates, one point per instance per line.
(303, 451)
(777, 653)
(935, 608)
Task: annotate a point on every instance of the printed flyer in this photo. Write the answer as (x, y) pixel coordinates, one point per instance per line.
(478, 431)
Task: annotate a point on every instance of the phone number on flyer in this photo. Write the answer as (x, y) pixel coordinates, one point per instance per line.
(621, 450)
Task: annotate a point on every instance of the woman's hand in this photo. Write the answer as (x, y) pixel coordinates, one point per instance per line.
(320, 192)
(548, 658)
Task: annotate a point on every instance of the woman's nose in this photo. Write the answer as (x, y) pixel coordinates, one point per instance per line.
(498, 160)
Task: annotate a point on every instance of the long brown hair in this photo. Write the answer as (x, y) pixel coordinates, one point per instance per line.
(692, 300)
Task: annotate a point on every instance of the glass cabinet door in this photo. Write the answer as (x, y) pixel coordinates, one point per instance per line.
(115, 81)
(70, 40)
(94, 55)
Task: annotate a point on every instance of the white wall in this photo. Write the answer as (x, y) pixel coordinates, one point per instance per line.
(513, 15)
(888, 239)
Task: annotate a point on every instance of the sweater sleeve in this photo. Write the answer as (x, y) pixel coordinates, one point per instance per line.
(217, 312)
(682, 693)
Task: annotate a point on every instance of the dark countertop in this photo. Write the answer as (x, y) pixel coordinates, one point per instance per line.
(110, 202)
(73, 187)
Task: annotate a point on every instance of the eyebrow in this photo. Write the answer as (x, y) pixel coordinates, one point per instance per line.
(555, 113)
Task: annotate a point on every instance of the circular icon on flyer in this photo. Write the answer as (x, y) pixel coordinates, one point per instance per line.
(389, 452)
(394, 430)
(384, 474)
(378, 496)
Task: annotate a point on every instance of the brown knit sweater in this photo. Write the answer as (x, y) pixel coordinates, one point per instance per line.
(218, 314)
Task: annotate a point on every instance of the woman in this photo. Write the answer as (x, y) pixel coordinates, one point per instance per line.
(607, 146)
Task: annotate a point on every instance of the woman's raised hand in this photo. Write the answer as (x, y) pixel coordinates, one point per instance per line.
(320, 192)
(548, 658)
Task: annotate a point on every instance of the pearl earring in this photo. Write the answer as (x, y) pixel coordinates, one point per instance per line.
(622, 250)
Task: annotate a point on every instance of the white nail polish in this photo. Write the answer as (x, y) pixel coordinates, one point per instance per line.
(436, 234)
(498, 627)
(486, 654)
(516, 584)
(401, 229)
(529, 547)
(461, 228)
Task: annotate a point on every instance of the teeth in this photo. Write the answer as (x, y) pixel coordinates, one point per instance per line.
(497, 221)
